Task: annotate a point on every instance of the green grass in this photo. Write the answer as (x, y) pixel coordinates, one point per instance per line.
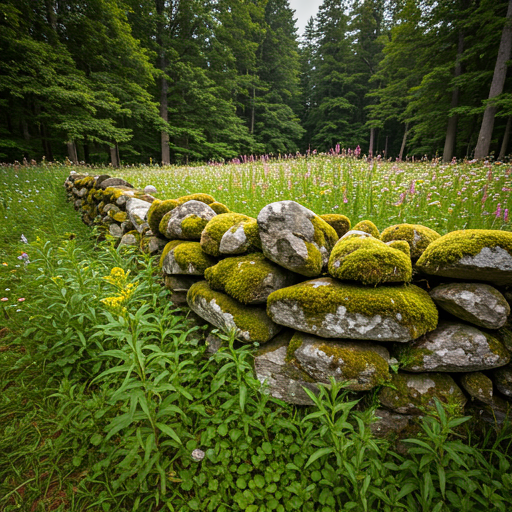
(106, 389)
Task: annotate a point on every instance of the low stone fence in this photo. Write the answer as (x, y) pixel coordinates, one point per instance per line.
(407, 311)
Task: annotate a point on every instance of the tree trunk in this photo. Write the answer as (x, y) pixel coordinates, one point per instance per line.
(252, 111)
(164, 86)
(386, 148)
(114, 160)
(404, 140)
(506, 138)
(498, 81)
(72, 152)
(451, 130)
(86, 150)
(372, 137)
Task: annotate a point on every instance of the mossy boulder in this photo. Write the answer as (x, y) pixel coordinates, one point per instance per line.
(414, 393)
(332, 309)
(472, 254)
(114, 182)
(156, 212)
(401, 246)
(478, 386)
(250, 323)
(368, 227)
(295, 238)
(241, 238)
(340, 223)
(453, 347)
(249, 279)
(137, 211)
(188, 220)
(369, 261)
(417, 236)
(362, 363)
(181, 257)
(477, 303)
(202, 198)
(219, 208)
(281, 378)
(215, 230)
(502, 378)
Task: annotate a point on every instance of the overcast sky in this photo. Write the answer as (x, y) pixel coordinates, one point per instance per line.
(304, 9)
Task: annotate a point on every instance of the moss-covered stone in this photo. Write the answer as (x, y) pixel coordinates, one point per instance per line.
(192, 227)
(87, 181)
(168, 248)
(340, 223)
(369, 261)
(417, 236)
(477, 254)
(215, 229)
(156, 212)
(415, 393)
(249, 279)
(162, 227)
(363, 364)
(251, 323)
(401, 245)
(190, 256)
(219, 208)
(119, 216)
(368, 227)
(479, 386)
(334, 309)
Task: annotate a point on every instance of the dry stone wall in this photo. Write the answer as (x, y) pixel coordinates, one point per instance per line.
(408, 312)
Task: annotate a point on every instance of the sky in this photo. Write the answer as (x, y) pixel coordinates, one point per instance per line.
(304, 9)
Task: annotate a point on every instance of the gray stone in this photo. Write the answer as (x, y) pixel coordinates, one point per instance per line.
(129, 239)
(389, 423)
(110, 206)
(502, 378)
(194, 263)
(121, 200)
(82, 192)
(180, 283)
(250, 323)
(107, 220)
(477, 303)
(393, 313)
(114, 182)
(454, 347)
(362, 363)
(295, 238)
(176, 229)
(414, 393)
(126, 226)
(234, 240)
(478, 386)
(137, 211)
(115, 230)
(78, 204)
(150, 189)
(281, 378)
(100, 179)
(213, 344)
(156, 245)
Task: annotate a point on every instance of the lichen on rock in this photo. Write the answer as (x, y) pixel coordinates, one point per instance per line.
(182, 257)
(417, 236)
(216, 228)
(188, 220)
(340, 223)
(369, 261)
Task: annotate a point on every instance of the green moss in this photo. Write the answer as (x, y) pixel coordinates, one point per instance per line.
(401, 395)
(119, 216)
(369, 261)
(215, 229)
(240, 276)
(314, 264)
(251, 319)
(295, 343)
(411, 357)
(100, 207)
(219, 208)
(168, 248)
(496, 347)
(478, 385)
(401, 245)
(156, 212)
(192, 227)
(340, 223)
(417, 236)
(505, 336)
(325, 235)
(252, 233)
(452, 247)
(202, 198)
(88, 182)
(368, 227)
(191, 253)
(408, 305)
(162, 228)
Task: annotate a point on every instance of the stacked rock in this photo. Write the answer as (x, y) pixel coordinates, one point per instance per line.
(327, 301)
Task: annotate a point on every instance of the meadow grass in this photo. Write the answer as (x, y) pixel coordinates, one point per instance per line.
(106, 390)
(444, 197)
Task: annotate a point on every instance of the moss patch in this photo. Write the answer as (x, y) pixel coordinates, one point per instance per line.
(452, 247)
(156, 212)
(219, 208)
(215, 229)
(325, 235)
(478, 385)
(192, 227)
(202, 198)
(401, 245)
(190, 253)
(295, 343)
(250, 319)
(408, 305)
(368, 227)
(168, 248)
(417, 236)
(241, 276)
(369, 261)
(340, 223)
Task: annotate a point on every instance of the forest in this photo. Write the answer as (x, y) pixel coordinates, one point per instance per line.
(183, 81)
